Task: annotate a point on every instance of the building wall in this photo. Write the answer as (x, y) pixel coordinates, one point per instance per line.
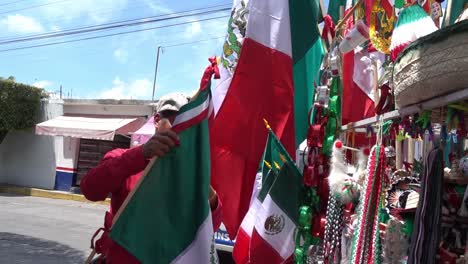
(105, 109)
(27, 159)
(66, 158)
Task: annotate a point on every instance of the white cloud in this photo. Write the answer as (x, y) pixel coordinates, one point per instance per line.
(42, 84)
(54, 28)
(193, 29)
(137, 89)
(21, 24)
(158, 7)
(85, 9)
(121, 55)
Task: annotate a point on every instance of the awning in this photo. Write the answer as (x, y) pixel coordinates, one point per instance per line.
(142, 135)
(102, 128)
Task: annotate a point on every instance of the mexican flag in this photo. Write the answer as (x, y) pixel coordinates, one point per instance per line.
(268, 172)
(168, 218)
(270, 60)
(266, 233)
(276, 219)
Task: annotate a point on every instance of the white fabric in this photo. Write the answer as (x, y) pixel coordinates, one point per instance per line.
(363, 74)
(200, 250)
(283, 242)
(192, 113)
(269, 24)
(86, 127)
(222, 84)
(410, 32)
(249, 219)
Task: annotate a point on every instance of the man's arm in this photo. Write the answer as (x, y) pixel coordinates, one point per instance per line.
(110, 174)
(119, 164)
(216, 209)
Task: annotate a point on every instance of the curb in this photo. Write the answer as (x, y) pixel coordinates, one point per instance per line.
(25, 191)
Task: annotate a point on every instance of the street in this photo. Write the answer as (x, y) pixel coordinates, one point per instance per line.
(48, 231)
(42, 231)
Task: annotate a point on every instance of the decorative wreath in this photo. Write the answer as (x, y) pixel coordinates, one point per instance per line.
(381, 28)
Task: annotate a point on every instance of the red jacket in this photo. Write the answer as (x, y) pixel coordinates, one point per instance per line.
(117, 174)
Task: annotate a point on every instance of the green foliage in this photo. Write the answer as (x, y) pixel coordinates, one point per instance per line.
(19, 105)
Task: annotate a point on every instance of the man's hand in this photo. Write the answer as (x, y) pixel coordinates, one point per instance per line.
(213, 198)
(160, 144)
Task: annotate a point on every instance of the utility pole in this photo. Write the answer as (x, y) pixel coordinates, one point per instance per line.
(156, 72)
(60, 91)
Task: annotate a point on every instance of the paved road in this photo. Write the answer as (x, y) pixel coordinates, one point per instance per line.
(47, 231)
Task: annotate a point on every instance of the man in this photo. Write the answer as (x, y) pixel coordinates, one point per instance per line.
(120, 170)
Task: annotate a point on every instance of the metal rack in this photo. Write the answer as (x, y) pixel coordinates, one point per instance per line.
(409, 110)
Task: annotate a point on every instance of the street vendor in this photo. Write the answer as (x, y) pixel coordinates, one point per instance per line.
(120, 170)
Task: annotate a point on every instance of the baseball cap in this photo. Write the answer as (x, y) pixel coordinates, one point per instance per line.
(171, 102)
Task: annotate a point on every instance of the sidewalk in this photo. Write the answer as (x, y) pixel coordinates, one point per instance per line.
(26, 191)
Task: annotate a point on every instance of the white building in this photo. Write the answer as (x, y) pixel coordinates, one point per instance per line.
(71, 138)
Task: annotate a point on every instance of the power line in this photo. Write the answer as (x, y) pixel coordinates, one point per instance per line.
(14, 2)
(31, 7)
(110, 26)
(113, 23)
(109, 35)
(192, 42)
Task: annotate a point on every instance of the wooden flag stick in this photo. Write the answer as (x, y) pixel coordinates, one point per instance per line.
(125, 203)
(133, 191)
(91, 256)
(351, 12)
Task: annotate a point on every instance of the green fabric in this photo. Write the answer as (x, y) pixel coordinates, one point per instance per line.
(164, 215)
(286, 186)
(334, 110)
(286, 190)
(411, 14)
(457, 9)
(307, 54)
(334, 9)
(266, 185)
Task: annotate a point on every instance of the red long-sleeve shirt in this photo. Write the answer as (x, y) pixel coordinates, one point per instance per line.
(118, 174)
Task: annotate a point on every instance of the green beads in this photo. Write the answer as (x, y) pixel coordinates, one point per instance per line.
(305, 217)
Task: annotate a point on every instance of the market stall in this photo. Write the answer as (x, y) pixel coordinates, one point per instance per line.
(386, 157)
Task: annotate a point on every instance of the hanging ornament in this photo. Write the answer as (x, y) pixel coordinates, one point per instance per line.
(381, 27)
(413, 23)
(366, 239)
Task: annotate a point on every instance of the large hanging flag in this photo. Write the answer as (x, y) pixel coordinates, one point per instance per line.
(168, 218)
(272, 239)
(358, 102)
(256, 67)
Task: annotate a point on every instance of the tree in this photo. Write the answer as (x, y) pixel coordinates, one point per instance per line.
(19, 105)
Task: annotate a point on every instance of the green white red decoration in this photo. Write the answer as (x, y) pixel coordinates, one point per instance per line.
(413, 23)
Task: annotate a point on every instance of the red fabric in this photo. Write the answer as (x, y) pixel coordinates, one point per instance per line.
(262, 252)
(328, 27)
(240, 253)
(356, 104)
(262, 87)
(211, 70)
(117, 174)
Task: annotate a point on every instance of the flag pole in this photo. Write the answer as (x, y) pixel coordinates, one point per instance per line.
(130, 195)
(345, 18)
(125, 203)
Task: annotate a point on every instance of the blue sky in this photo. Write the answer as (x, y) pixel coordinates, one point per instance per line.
(114, 67)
